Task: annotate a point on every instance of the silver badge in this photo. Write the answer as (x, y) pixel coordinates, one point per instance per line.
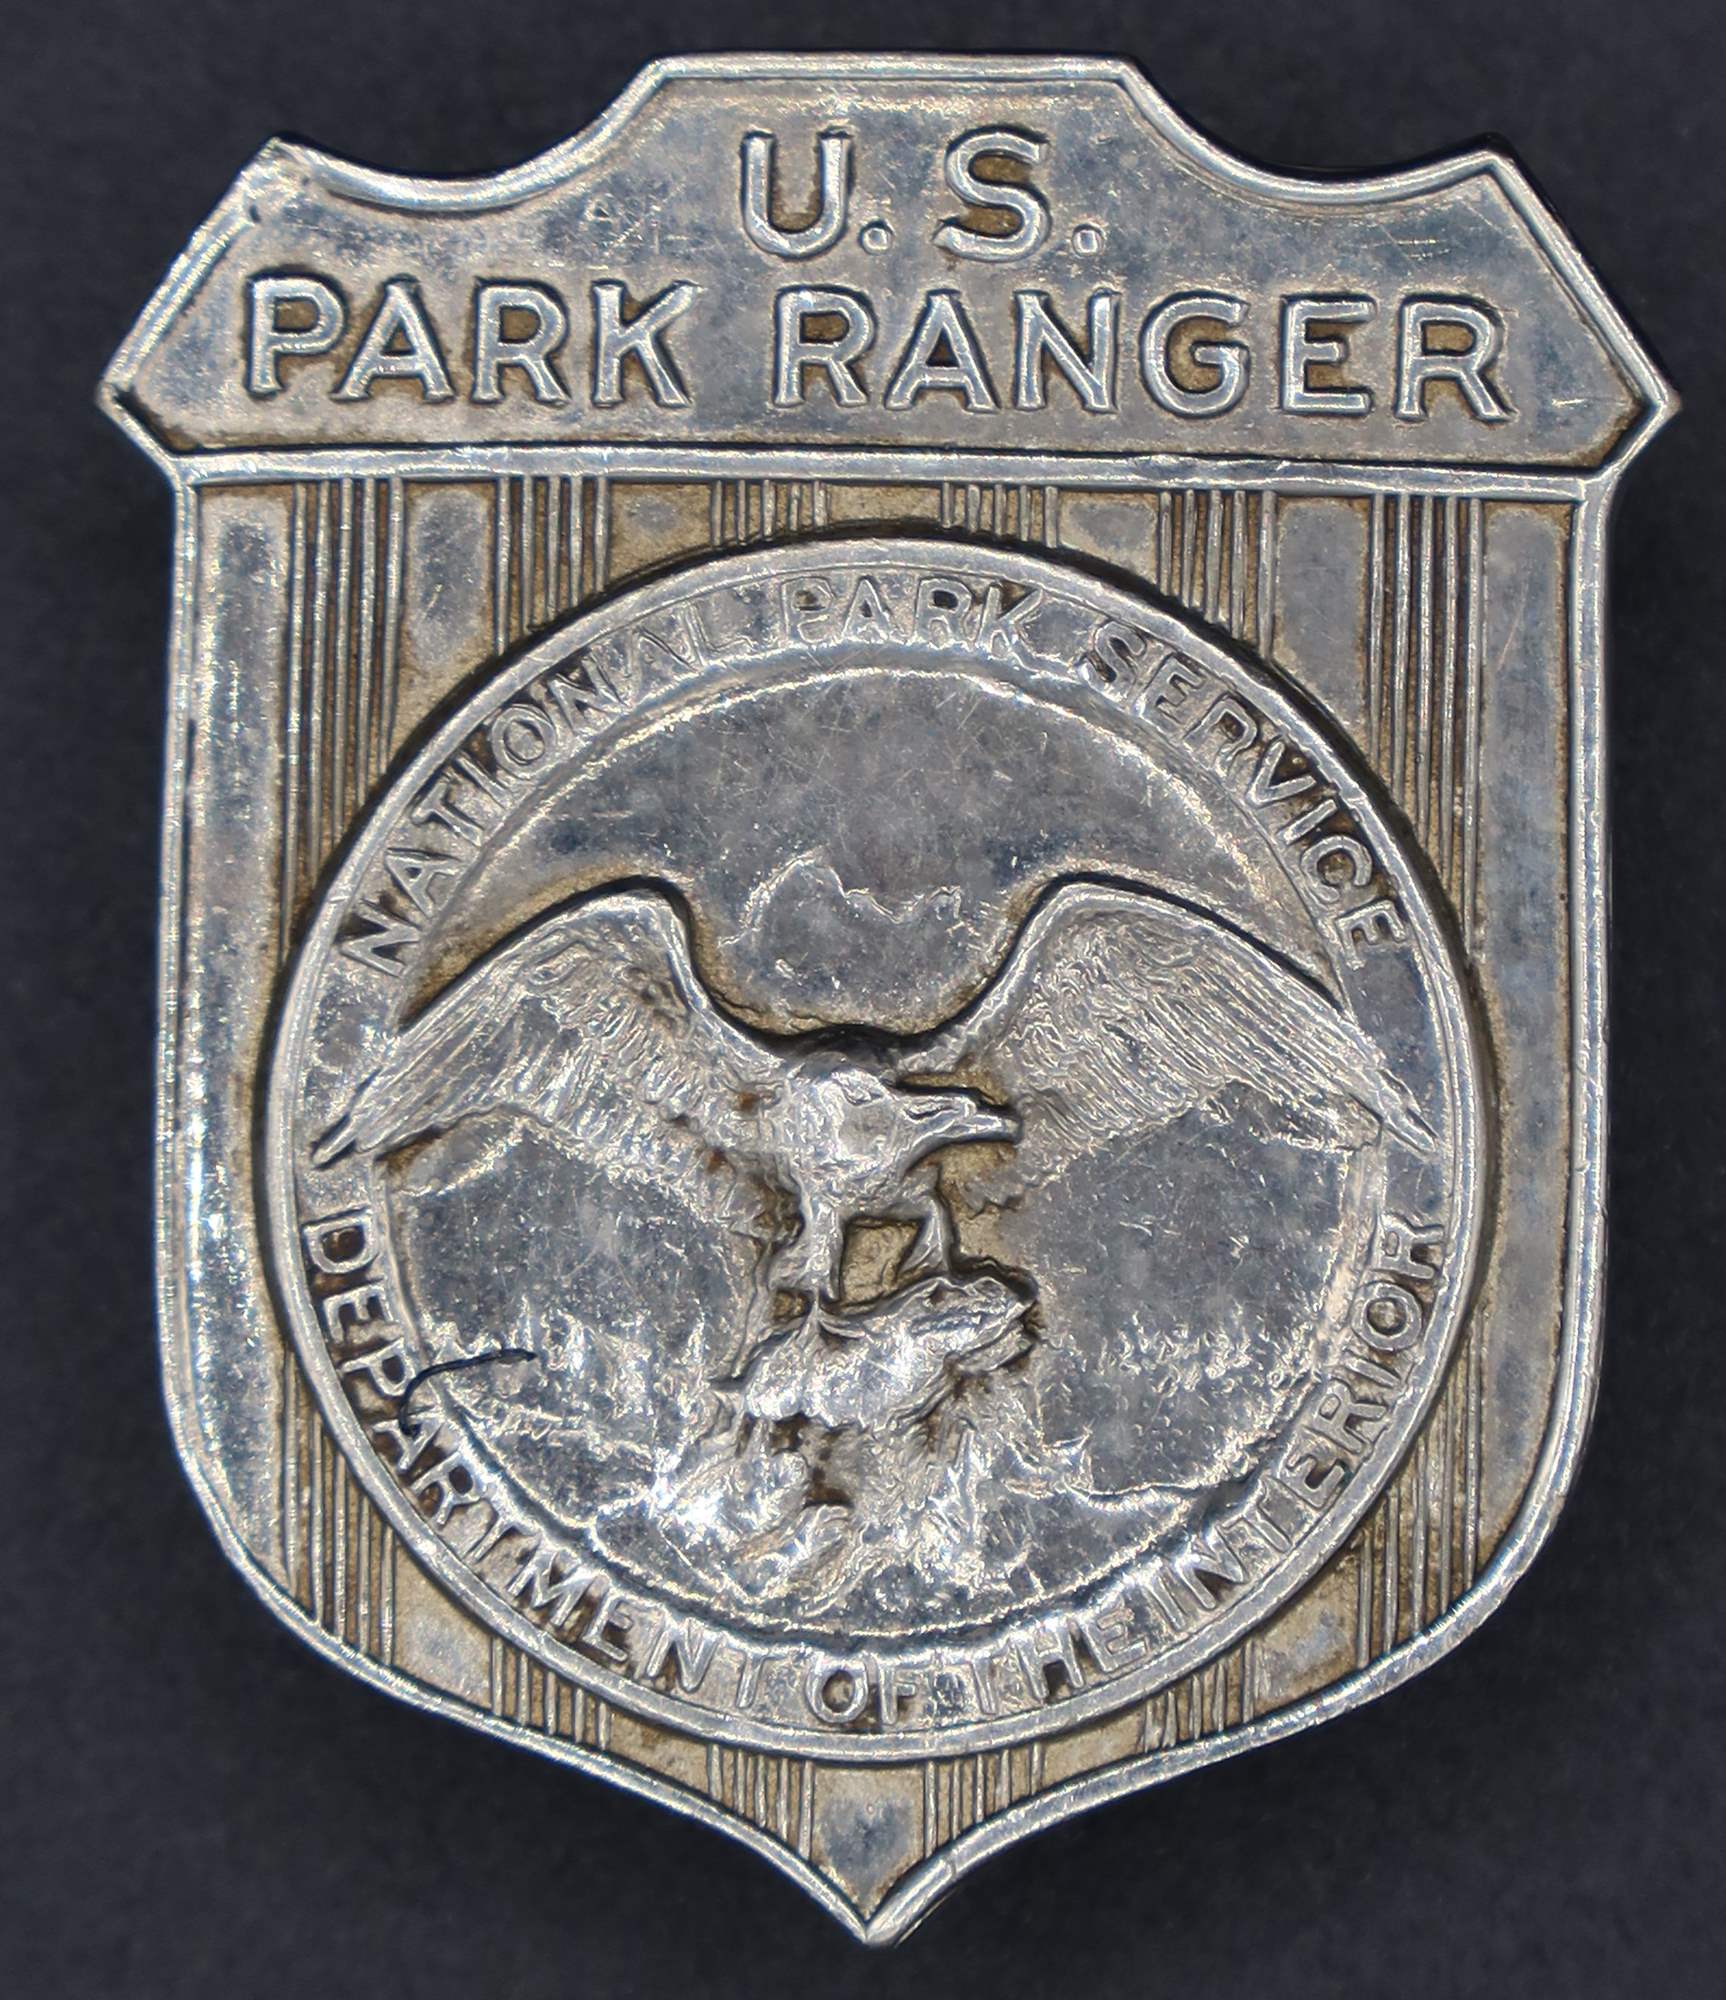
(882, 1018)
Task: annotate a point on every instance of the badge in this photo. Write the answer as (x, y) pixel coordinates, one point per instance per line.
(882, 1019)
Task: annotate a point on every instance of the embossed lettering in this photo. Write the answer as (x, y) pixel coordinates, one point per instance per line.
(378, 946)
(1042, 339)
(638, 338)
(827, 330)
(551, 1581)
(1370, 927)
(315, 304)
(399, 345)
(1302, 351)
(994, 197)
(833, 175)
(941, 355)
(1226, 361)
(494, 349)
(339, 1244)
(1421, 364)
(688, 1648)
(837, 1690)
(1000, 626)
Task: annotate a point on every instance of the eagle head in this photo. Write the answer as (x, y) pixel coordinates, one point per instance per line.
(869, 1118)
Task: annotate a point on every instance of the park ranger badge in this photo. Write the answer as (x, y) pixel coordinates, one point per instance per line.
(882, 977)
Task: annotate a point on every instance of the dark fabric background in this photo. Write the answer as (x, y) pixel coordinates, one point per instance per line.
(191, 1802)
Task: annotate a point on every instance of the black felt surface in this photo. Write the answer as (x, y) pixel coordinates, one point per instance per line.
(191, 1802)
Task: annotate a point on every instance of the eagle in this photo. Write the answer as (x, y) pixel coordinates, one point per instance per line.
(1117, 1009)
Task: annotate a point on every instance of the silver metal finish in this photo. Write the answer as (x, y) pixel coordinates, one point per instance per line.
(882, 1025)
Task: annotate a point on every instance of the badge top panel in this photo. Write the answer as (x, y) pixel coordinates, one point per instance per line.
(939, 256)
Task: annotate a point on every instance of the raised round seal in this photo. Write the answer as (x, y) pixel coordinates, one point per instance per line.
(875, 1147)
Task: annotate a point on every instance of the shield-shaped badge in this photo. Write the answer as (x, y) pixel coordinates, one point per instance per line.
(882, 1020)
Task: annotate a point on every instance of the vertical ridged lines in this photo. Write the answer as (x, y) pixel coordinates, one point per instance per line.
(1419, 1549)
(1019, 512)
(1424, 578)
(521, 1691)
(961, 1792)
(345, 542)
(756, 510)
(551, 549)
(777, 1794)
(338, 1554)
(1213, 549)
(345, 555)
(1222, 1695)
(345, 563)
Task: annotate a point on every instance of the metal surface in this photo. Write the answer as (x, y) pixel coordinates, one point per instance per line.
(882, 1041)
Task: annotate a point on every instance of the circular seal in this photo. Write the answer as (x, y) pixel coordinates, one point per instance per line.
(875, 1148)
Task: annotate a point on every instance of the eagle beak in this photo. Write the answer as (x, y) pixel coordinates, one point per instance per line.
(996, 1125)
(955, 1118)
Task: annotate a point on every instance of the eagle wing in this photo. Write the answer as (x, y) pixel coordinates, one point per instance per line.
(590, 1020)
(1118, 1010)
